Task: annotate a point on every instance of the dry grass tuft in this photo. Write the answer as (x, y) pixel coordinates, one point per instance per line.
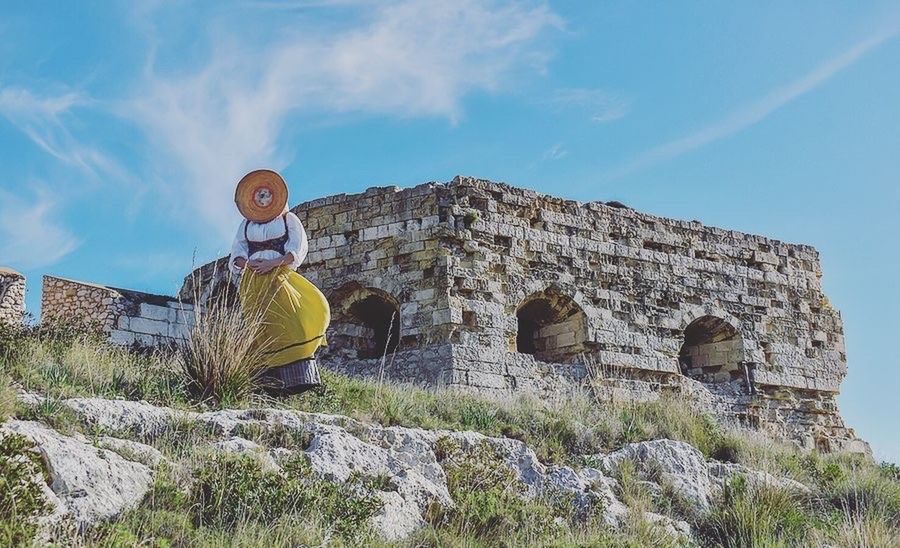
(221, 359)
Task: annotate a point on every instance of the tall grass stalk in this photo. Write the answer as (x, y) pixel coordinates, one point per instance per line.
(387, 343)
(222, 359)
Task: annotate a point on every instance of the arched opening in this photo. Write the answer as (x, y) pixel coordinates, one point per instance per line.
(365, 323)
(551, 326)
(712, 351)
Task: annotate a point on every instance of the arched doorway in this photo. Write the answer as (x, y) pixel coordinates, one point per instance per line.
(365, 323)
(551, 326)
(712, 351)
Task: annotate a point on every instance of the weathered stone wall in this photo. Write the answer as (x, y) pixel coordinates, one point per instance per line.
(500, 289)
(12, 297)
(130, 318)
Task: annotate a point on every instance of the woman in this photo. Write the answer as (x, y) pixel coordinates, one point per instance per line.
(270, 244)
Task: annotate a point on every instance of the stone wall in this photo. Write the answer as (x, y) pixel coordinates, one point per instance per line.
(12, 297)
(130, 318)
(501, 289)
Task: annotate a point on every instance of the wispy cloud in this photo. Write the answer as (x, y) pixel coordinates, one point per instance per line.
(600, 105)
(43, 120)
(555, 152)
(31, 235)
(412, 58)
(757, 111)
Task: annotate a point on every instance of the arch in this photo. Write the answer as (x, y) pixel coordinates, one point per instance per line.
(550, 326)
(712, 351)
(365, 322)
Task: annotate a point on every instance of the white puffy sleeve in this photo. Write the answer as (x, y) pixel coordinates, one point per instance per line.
(297, 244)
(239, 248)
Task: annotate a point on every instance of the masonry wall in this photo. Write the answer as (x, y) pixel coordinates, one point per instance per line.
(466, 265)
(12, 297)
(130, 318)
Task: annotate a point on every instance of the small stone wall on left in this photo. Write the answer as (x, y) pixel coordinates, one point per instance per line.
(12, 297)
(130, 318)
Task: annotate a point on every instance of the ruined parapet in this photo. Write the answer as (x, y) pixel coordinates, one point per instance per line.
(130, 318)
(12, 297)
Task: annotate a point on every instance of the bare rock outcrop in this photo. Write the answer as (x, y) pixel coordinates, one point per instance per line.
(677, 463)
(95, 483)
(90, 483)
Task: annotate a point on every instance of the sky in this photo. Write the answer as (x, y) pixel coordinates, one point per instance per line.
(124, 127)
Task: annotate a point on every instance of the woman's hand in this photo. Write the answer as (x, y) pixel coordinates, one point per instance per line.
(264, 266)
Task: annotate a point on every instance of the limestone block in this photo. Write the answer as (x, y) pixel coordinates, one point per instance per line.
(155, 312)
(121, 337)
(487, 380)
(148, 326)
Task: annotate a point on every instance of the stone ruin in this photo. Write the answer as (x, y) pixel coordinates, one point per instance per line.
(129, 318)
(12, 297)
(486, 287)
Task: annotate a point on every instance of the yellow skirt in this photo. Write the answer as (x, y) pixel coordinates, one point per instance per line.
(295, 314)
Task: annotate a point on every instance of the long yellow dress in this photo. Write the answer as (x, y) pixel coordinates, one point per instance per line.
(295, 314)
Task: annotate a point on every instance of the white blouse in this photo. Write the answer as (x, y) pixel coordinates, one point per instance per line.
(297, 243)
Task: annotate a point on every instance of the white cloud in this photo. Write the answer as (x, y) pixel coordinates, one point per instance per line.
(601, 106)
(43, 121)
(555, 152)
(31, 235)
(409, 58)
(755, 112)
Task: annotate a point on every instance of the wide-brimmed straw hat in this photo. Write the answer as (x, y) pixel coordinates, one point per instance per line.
(261, 195)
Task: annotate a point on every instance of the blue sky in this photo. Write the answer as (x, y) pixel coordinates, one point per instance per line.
(124, 126)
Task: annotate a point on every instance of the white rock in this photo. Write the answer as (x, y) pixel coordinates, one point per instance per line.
(241, 446)
(680, 464)
(138, 417)
(335, 454)
(672, 527)
(92, 484)
(144, 454)
(721, 472)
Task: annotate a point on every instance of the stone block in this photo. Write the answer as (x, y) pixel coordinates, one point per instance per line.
(120, 337)
(486, 380)
(154, 312)
(148, 327)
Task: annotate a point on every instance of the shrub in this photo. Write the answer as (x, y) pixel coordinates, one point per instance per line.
(490, 506)
(890, 471)
(751, 516)
(860, 531)
(865, 491)
(52, 412)
(222, 361)
(21, 498)
(232, 490)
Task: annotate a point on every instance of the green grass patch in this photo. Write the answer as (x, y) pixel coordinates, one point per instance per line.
(232, 501)
(21, 498)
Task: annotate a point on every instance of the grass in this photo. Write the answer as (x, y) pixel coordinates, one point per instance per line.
(222, 359)
(749, 516)
(233, 501)
(21, 499)
(62, 361)
(215, 370)
(201, 499)
(7, 397)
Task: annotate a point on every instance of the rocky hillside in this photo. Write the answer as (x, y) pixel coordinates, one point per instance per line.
(103, 447)
(405, 481)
